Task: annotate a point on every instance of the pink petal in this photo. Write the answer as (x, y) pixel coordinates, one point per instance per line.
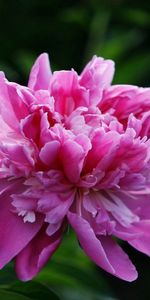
(67, 92)
(40, 73)
(118, 259)
(104, 251)
(89, 242)
(14, 233)
(12, 105)
(142, 242)
(32, 259)
(49, 152)
(125, 233)
(96, 76)
(72, 156)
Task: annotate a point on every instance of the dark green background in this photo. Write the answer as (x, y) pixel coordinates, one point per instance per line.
(72, 32)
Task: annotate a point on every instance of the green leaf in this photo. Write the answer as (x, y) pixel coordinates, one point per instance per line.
(134, 69)
(8, 295)
(120, 43)
(33, 290)
(7, 275)
(97, 33)
(137, 16)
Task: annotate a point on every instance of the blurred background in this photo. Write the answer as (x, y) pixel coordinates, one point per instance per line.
(72, 31)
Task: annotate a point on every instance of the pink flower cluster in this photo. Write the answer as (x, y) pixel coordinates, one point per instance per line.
(74, 150)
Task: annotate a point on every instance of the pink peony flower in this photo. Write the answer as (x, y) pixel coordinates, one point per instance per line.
(74, 150)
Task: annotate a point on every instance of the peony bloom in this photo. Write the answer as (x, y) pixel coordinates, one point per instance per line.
(73, 150)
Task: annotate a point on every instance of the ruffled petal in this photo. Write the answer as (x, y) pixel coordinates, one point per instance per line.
(67, 92)
(72, 158)
(40, 73)
(96, 76)
(13, 106)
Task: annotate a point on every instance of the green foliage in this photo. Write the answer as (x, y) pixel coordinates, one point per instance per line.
(33, 290)
(72, 32)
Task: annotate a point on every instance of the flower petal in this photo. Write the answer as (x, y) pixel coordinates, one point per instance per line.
(142, 242)
(49, 153)
(40, 73)
(118, 259)
(14, 233)
(90, 243)
(32, 259)
(67, 92)
(104, 251)
(72, 157)
(96, 76)
(13, 106)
